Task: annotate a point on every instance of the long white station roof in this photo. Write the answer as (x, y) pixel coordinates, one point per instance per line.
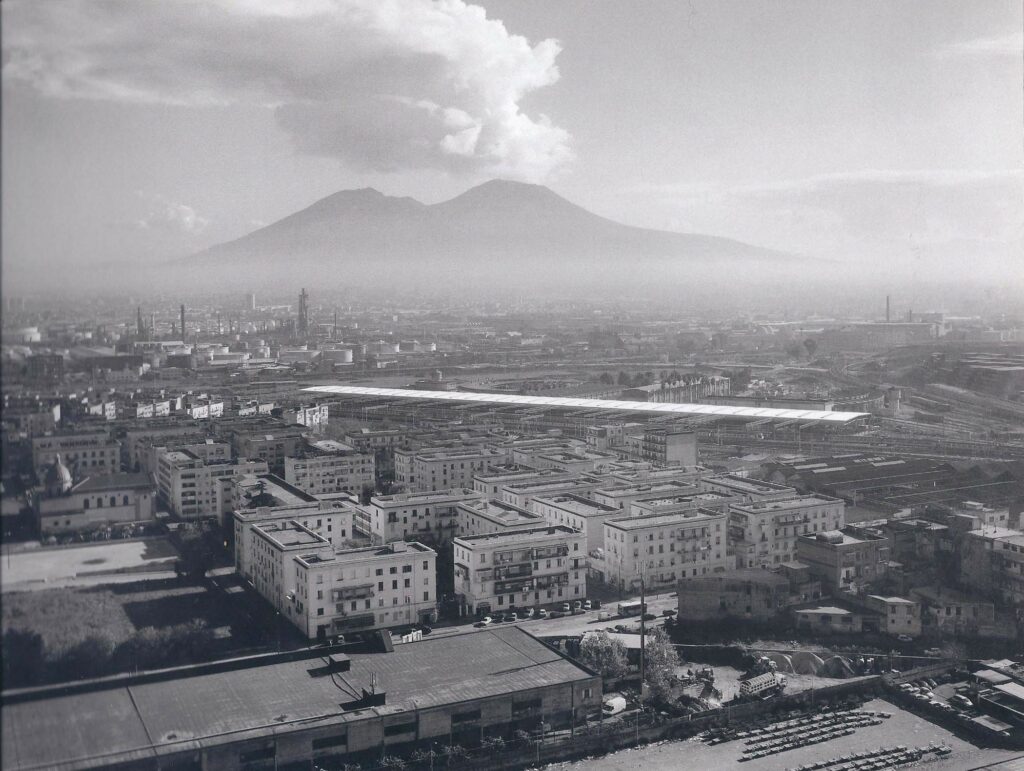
(719, 410)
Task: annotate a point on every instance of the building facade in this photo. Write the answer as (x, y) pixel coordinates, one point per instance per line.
(765, 533)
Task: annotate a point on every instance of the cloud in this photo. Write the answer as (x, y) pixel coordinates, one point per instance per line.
(170, 217)
(381, 84)
(985, 47)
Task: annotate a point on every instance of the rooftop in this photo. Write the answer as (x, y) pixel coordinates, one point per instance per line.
(577, 505)
(690, 517)
(751, 413)
(113, 722)
(119, 481)
(522, 534)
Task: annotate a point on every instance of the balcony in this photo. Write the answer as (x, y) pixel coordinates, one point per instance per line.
(511, 587)
(360, 592)
(523, 570)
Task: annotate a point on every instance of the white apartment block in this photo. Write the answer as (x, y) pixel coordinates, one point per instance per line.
(492, 516)
(747, 490)
(520, 568)
(331, 520)
(424, 516)
(622, 496)
(208, 450)
(84, 454)
(665, 547)
(191, 488)
(680, 502)
(579, 513)
(765, 533)
(314, 416)
(523, 494)
(490, 481)
(330, 467)
(327, 592)
(432, 469)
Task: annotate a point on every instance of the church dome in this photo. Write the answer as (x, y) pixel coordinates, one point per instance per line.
(57, 479)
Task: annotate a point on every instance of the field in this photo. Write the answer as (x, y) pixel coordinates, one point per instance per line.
(66, 616)
(903, 728)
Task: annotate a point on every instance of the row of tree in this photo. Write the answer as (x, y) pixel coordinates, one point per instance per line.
(27, 662)
(608, 657)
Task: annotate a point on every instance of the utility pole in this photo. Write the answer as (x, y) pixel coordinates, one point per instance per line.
(643, 634)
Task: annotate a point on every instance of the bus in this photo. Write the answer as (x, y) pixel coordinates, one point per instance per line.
(632, 608)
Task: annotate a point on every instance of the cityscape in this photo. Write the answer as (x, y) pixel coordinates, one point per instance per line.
(523, 386)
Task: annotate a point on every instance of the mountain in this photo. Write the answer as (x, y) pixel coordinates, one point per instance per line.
(504, 228)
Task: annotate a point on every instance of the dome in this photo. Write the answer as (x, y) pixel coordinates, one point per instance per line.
(57, 478)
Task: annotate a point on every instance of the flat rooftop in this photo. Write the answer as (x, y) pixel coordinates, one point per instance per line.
(796, 502)
(397, 549)
(691, 517)
(288, 534)
(521, 534)
(751, 413)
(137, 718)
(577, 505)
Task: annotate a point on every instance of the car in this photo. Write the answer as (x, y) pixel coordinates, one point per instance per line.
(524, 614)
(668, 612)
(931, 683)
(587, 605)
(423, 629)
(961, 701)
(512, 617)
(620, 628)
(933, 652)
(485, 621)
(649, 617)
(904, 638)
(556, 614)
(613, 705)
(542, 613)
(577, 605)
(566, 607)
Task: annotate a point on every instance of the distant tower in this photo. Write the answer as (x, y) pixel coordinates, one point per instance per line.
(250, 301)
(888, 317)
(335, 334)
(183, 322)
(152, 326)
(303, 313)
(141, 327)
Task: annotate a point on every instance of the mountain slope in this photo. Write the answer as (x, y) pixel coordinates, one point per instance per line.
(497, 231)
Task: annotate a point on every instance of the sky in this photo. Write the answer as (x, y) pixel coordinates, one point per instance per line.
(877, 132)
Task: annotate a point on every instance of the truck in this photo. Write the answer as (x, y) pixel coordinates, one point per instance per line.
(632, 608)
(762, 686)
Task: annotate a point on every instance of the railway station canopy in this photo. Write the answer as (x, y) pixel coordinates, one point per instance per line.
(611, 405)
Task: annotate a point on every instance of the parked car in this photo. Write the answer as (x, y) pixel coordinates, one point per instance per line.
(668, 613)
(613, 705)
(649, 617)
(577, 605)
(904, 638)
(933, 652)
(556, 614)
(931, 683)
(527, 613)
(566, 608)
(485, 621)
(423, 629)
(587, 605)
(542, 613)
(512, 617)
(603, 615)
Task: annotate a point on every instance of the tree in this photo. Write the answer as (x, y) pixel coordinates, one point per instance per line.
(811, 345)
(603, 654)
(660, 662)
(606, 378)
(23, 658)
(196, 557)
(89, 658)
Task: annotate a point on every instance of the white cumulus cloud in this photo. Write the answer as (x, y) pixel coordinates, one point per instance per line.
(170, 216)
(381, 84)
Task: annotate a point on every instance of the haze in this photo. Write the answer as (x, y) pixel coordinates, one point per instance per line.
(880, 139)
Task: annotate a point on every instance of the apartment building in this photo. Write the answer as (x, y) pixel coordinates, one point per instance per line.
(191, 488)
(686, 501)
(427, 516)
(844, 559)
(992, 563)
(330, 520)
(490, 481)
(520, 568)
(328, 466)
(488, 515)
(665, 548)
(314, 416)
(209, 450)
(523, 494)
(669, 446)
(431, 469)
(646, 473)
(326, 592)
(746, 489)
(622, 496)
(765, 533)
(579, 513)
(84, 453)
(744, 593)
(271, 443)
(137, 442)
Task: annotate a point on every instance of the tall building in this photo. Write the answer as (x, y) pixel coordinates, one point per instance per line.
(303, 326)
(250, 301)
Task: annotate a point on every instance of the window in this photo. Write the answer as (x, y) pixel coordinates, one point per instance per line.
(400, 728)
(319, 611)
(426, 596)
(330, 741)
(262, 753)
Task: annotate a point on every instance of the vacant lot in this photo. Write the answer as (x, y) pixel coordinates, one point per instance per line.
(67, 616)
(31, 569)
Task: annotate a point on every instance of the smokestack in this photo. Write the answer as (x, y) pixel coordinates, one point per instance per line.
(888, 318)
(335, 325)
(183, 322)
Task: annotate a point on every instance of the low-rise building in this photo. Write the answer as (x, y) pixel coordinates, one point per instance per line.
(523, 494)
(328, 466)
(896, 615)
(952, 612)
(746, 489)
(85, 453)
(490, 481)
(98, 502)
(191, 488)
(431, 517)
(431, 469)
(664, 548)
(520, 568)
(748, 593)
(844, 559)
(487, 515)
(669, 446)
(342, 705)
(765, 533)
(579, 513)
